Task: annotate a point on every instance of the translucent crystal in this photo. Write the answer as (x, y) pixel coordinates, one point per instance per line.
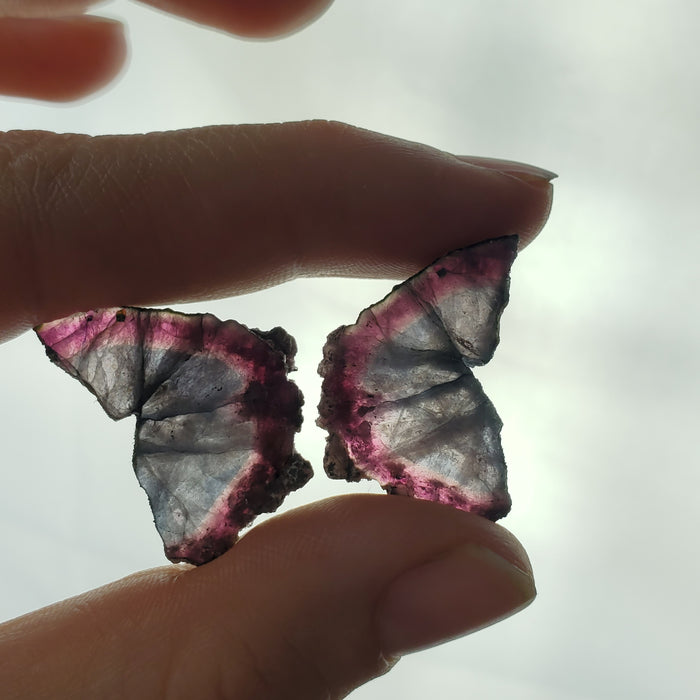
(399, 399)
(216, 415)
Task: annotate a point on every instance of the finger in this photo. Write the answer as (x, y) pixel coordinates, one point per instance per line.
(44, 8)
(90, 222)
(47, 54)
(59, 58)
(251, 18)
(310, 604)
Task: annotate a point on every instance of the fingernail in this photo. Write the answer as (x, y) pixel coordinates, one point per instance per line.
(468, 588)
(523, 171)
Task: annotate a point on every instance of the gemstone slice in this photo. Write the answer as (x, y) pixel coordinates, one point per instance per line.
(399, 400)
(215, 415)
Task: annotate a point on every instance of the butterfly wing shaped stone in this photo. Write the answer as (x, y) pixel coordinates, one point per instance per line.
(399, 399)
(216, 415)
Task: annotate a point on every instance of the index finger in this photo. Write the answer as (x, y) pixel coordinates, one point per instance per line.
(164, 217)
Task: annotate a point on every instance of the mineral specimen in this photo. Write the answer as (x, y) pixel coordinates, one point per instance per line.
(399, 401)
(216, 415)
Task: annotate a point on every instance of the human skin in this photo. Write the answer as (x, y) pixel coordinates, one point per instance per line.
(50, 51)
(315, 601)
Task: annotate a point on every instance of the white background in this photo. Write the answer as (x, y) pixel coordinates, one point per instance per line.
(595, 378)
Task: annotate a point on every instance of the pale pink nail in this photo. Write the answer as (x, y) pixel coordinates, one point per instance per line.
(523, 171)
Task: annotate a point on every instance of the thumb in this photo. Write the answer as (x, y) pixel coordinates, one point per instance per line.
(310, 604)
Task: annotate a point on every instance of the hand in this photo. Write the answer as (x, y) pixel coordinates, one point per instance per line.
(49, 50)
(314, 602)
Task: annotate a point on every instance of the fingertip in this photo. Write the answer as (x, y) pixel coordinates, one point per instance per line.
(254, 19)
(463, 590)
(373, 577)
(59, 59)
(535, 179)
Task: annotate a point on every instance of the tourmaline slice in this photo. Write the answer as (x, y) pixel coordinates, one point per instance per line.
(215, 415)
(399, 400)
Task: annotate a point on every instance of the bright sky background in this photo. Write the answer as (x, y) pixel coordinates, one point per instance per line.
(595, 379)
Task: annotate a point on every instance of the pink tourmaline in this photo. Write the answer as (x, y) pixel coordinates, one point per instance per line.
(399, 401)
(216, 415)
